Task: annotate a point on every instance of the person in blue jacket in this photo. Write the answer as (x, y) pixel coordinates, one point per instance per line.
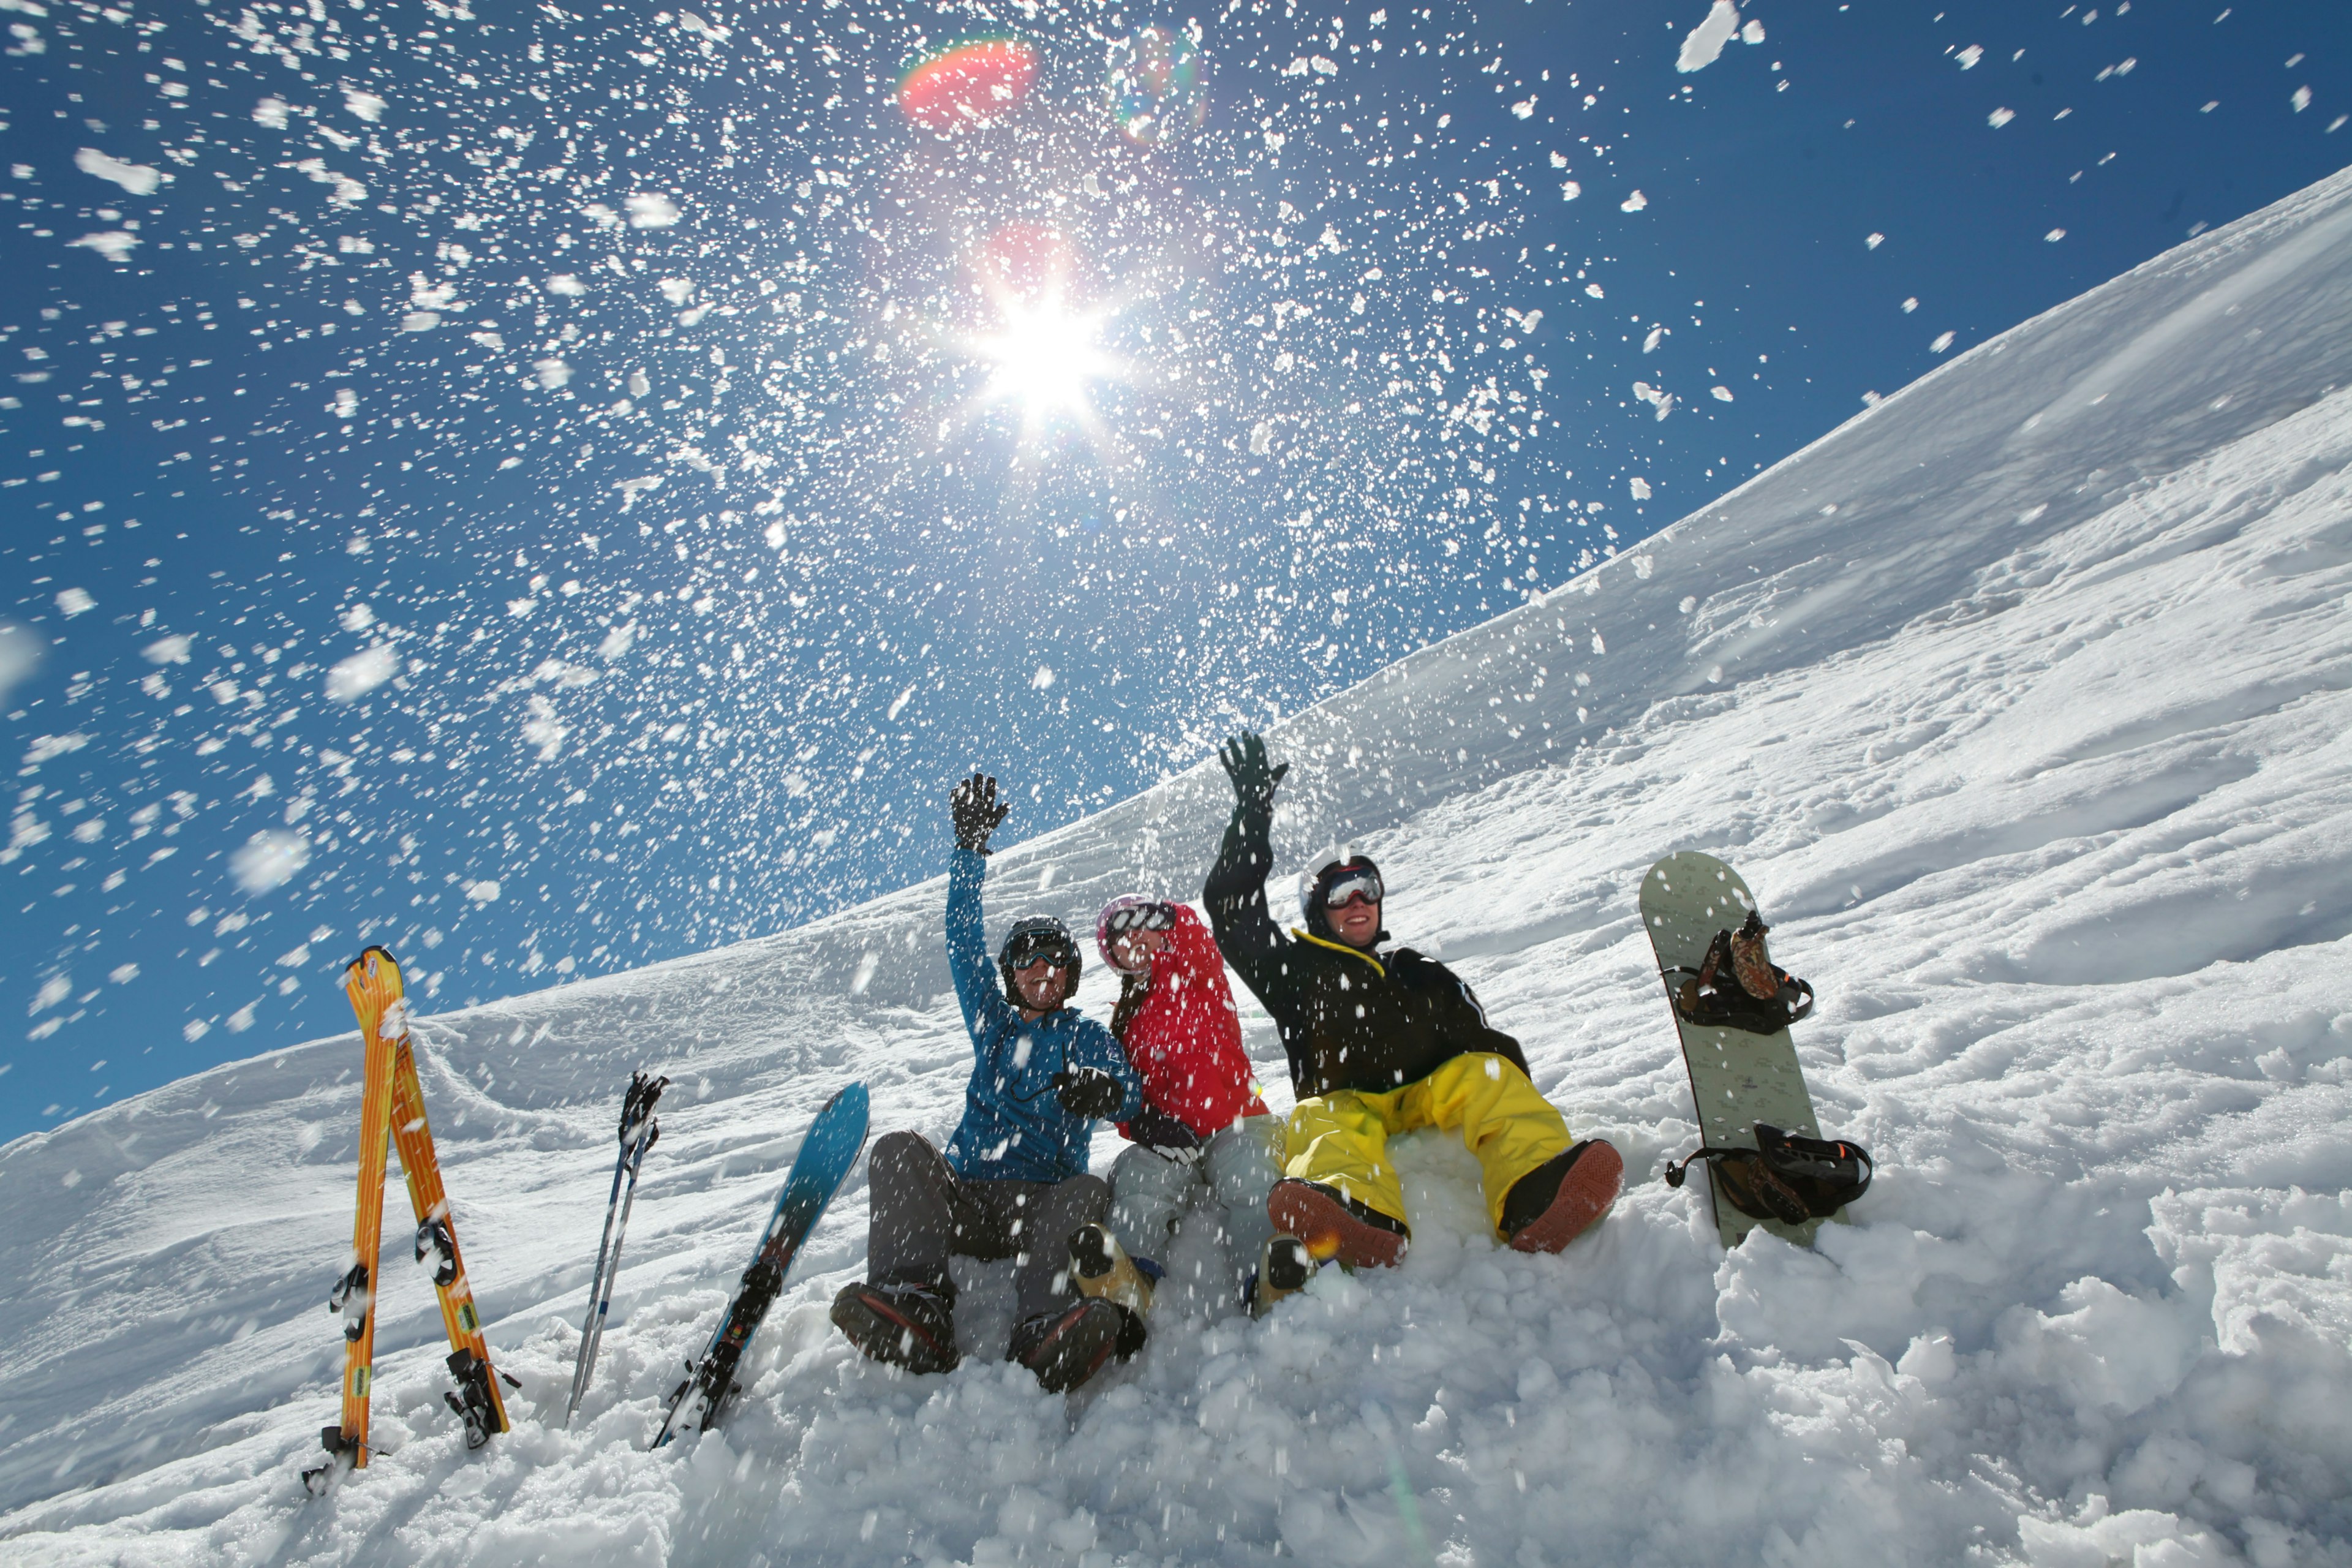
(1013, 1182)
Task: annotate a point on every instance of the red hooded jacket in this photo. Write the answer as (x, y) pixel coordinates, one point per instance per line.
(1184, 1038)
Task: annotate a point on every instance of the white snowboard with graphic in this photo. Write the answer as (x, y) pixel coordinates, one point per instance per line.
(1737, 1079)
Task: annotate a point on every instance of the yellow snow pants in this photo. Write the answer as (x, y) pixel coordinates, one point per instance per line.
(1340, 1138)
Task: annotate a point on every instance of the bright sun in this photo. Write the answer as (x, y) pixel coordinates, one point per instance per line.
(1043, 357)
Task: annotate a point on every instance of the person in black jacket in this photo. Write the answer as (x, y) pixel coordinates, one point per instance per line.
(1382, 1040)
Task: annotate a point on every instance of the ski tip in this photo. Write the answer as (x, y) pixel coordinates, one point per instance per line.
(360, 966)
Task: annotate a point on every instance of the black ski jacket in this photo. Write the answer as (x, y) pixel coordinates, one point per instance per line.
(1349, 1019)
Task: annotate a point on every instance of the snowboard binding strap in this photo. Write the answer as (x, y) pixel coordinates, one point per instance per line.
(1738, 986)
(1789, 1178)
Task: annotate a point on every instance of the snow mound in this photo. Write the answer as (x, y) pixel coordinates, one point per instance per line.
(2022, 701)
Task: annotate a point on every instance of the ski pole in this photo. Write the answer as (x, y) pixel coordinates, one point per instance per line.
(637, 1132)
(595, 1286)
(595, 1340)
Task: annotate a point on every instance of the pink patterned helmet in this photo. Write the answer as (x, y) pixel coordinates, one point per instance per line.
(1127, 912)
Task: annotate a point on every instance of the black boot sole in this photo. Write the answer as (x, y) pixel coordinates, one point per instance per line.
(1076, 1347)
(885, 1336)
(1288, 1264)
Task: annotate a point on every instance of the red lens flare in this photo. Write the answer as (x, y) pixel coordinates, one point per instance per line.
(969, 84)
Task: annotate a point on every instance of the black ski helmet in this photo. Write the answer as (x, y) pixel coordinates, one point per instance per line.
(1029, 938)
(1313, 898)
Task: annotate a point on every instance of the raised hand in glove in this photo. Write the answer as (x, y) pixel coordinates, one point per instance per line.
(977, 812)
(1164, 1135)
(1254, 775)
(1089, 1092)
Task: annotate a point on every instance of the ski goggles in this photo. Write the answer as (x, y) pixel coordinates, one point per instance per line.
(1346, 887)
(1028, 951)
(1139, 917)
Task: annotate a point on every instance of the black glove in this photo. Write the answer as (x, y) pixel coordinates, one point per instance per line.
(1089, 1092)
(977, 812)
(1164, 1135)
(1245, 759)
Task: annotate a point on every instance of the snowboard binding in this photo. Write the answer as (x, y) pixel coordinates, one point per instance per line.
(1738, 986)
(1785, 1177)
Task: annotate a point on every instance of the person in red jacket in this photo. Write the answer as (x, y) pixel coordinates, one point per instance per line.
(1203, 1134)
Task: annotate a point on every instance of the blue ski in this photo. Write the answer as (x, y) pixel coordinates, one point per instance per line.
(826, 1157)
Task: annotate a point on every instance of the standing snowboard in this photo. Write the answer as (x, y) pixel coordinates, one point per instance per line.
(1738, 1077)
(826, 1157)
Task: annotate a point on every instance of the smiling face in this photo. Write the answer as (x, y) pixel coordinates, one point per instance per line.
(1131, 948)
(1043, 984)
(1356, 922)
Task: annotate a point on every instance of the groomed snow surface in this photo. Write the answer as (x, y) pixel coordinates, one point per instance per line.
(2022, 703)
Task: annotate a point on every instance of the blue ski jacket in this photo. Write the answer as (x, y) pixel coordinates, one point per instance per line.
(1014, 1126)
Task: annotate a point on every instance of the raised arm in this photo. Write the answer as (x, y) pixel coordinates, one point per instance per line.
(976, 813)
(1235, 890)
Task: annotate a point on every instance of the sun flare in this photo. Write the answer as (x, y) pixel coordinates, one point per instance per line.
(1044, 359)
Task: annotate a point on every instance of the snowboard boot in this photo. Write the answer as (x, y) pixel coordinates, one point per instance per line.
(1336, 1226)
(1283, 1267)
(1067, 1346)
(904, 1325)
(1554, 1204)
(1100, 1267)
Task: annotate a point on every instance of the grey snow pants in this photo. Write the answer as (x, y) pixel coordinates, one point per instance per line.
(922, 1212)
(1236, 1169)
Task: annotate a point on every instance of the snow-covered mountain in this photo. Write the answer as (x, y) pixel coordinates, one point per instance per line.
(2021, 699)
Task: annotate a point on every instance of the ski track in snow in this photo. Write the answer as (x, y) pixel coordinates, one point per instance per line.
(2034, 747)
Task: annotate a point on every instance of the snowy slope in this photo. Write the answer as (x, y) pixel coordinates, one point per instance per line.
(2021, 699)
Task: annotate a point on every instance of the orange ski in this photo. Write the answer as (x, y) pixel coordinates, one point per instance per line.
(392, 1111)
(476, 1400)
(354, 1294)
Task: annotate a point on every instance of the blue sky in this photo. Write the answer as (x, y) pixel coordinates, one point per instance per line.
(553, 496)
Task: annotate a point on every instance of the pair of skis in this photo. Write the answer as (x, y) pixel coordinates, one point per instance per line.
(392, 1112)
(392, 1115)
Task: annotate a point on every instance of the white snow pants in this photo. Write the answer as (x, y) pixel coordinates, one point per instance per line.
(1236, 1169)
